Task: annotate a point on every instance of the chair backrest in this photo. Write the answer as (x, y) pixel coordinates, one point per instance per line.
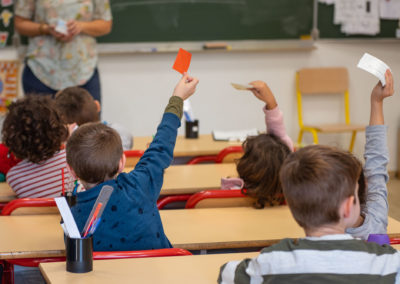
(320, 81)
(30, 206)
(219, 198)
(133, 157)
(226, 155)
(163, 201)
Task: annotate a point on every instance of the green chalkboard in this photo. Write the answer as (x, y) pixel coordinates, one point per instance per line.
(202, 20)
(327, 29)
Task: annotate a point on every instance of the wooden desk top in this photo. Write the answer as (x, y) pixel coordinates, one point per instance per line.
(194, 229)
(176, 269)
(6, 193)
(181, 179)
(188, 179)
(204, 145)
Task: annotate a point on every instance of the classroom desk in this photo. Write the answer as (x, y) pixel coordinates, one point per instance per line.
(204, 145)
(180, 179)
(194, 229)
(201, 269)
(6, 193)
(188, 179)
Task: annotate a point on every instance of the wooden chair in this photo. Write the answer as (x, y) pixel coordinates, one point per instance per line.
(30, 206)
(226, 155)
(8, 274)
(133, 157)
(320, 81)
(219, 198)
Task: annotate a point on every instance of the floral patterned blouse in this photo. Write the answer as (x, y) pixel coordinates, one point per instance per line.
(62, 64)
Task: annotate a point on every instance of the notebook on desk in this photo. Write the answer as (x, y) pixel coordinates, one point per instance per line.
(234, 135)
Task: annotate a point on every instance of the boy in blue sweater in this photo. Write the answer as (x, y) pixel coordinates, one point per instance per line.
(131, 220)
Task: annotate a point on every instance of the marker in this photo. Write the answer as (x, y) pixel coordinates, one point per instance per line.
(93, 218)
(217, 45)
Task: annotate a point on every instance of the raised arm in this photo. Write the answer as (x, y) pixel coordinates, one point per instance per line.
(273, 115)
(374, 217)
(150, 169)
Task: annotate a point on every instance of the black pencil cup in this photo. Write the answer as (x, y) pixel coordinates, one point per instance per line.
(192, 129)
(79, 254)
(71, 200)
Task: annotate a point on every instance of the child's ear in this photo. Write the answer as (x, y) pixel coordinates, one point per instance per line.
(122, 163)
(98, 105)
(347, 207)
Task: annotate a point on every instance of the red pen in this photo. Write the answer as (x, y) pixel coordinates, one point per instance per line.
(96, 212)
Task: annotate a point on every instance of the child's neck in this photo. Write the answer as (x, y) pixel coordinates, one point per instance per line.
(334, 229)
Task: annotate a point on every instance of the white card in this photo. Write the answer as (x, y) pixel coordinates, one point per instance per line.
(66, 214)
(374, 66)
(61, 27)
(241, 86)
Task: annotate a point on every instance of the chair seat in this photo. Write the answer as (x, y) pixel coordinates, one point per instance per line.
(334, 128)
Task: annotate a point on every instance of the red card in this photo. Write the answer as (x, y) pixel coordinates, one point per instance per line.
(182, 61)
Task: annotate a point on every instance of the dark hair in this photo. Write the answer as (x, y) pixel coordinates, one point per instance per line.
(93, 152)
(33, 129)
(77, 105)
(316, 180)
(259, 168)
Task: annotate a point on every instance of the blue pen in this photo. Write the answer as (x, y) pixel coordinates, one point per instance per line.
(94, 227)
(75, 188)
(187, 116)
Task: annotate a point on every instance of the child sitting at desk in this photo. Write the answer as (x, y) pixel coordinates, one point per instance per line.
(264, 154)
(76, 105)
(131, 220)
(34, 132)
(321, 185)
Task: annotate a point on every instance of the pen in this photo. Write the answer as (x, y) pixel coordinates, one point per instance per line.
(75, 187)
(96, 212)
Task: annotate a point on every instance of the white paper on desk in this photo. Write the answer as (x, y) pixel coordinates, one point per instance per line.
(66, 214)
(236, 135)
(390, 9)
(374, 66)
(243, 87)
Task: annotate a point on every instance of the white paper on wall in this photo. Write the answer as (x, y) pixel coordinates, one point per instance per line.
(389, 9)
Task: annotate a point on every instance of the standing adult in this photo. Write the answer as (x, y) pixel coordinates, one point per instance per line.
(62, 45)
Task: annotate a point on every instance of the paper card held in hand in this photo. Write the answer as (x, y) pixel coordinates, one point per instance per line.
(374, 66)
(182, 61)
(244, 87)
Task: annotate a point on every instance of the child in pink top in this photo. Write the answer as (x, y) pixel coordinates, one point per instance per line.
(264, 154)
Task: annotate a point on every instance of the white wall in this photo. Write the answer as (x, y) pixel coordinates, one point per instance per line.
(136, 88)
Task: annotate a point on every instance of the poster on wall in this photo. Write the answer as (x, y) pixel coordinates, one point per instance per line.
(8, 83)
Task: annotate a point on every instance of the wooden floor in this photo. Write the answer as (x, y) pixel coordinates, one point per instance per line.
(394, 198)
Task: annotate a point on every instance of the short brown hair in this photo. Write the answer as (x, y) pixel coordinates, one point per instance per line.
(259, 168)
(77, 105)
(316, 180)
(33, 129)
(93, 152)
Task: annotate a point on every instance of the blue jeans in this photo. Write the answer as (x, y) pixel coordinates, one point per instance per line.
(32, 85)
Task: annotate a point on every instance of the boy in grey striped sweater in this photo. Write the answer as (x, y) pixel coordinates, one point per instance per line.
(320, 184)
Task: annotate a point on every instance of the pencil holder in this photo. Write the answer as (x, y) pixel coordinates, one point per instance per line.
(381, 239)
(79, 254)
(192, 129)
(71, 200)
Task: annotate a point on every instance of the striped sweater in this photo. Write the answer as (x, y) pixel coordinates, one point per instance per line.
(42, 180)
(327, 259)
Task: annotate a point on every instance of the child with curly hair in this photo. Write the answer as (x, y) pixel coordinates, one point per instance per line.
(34, 132)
